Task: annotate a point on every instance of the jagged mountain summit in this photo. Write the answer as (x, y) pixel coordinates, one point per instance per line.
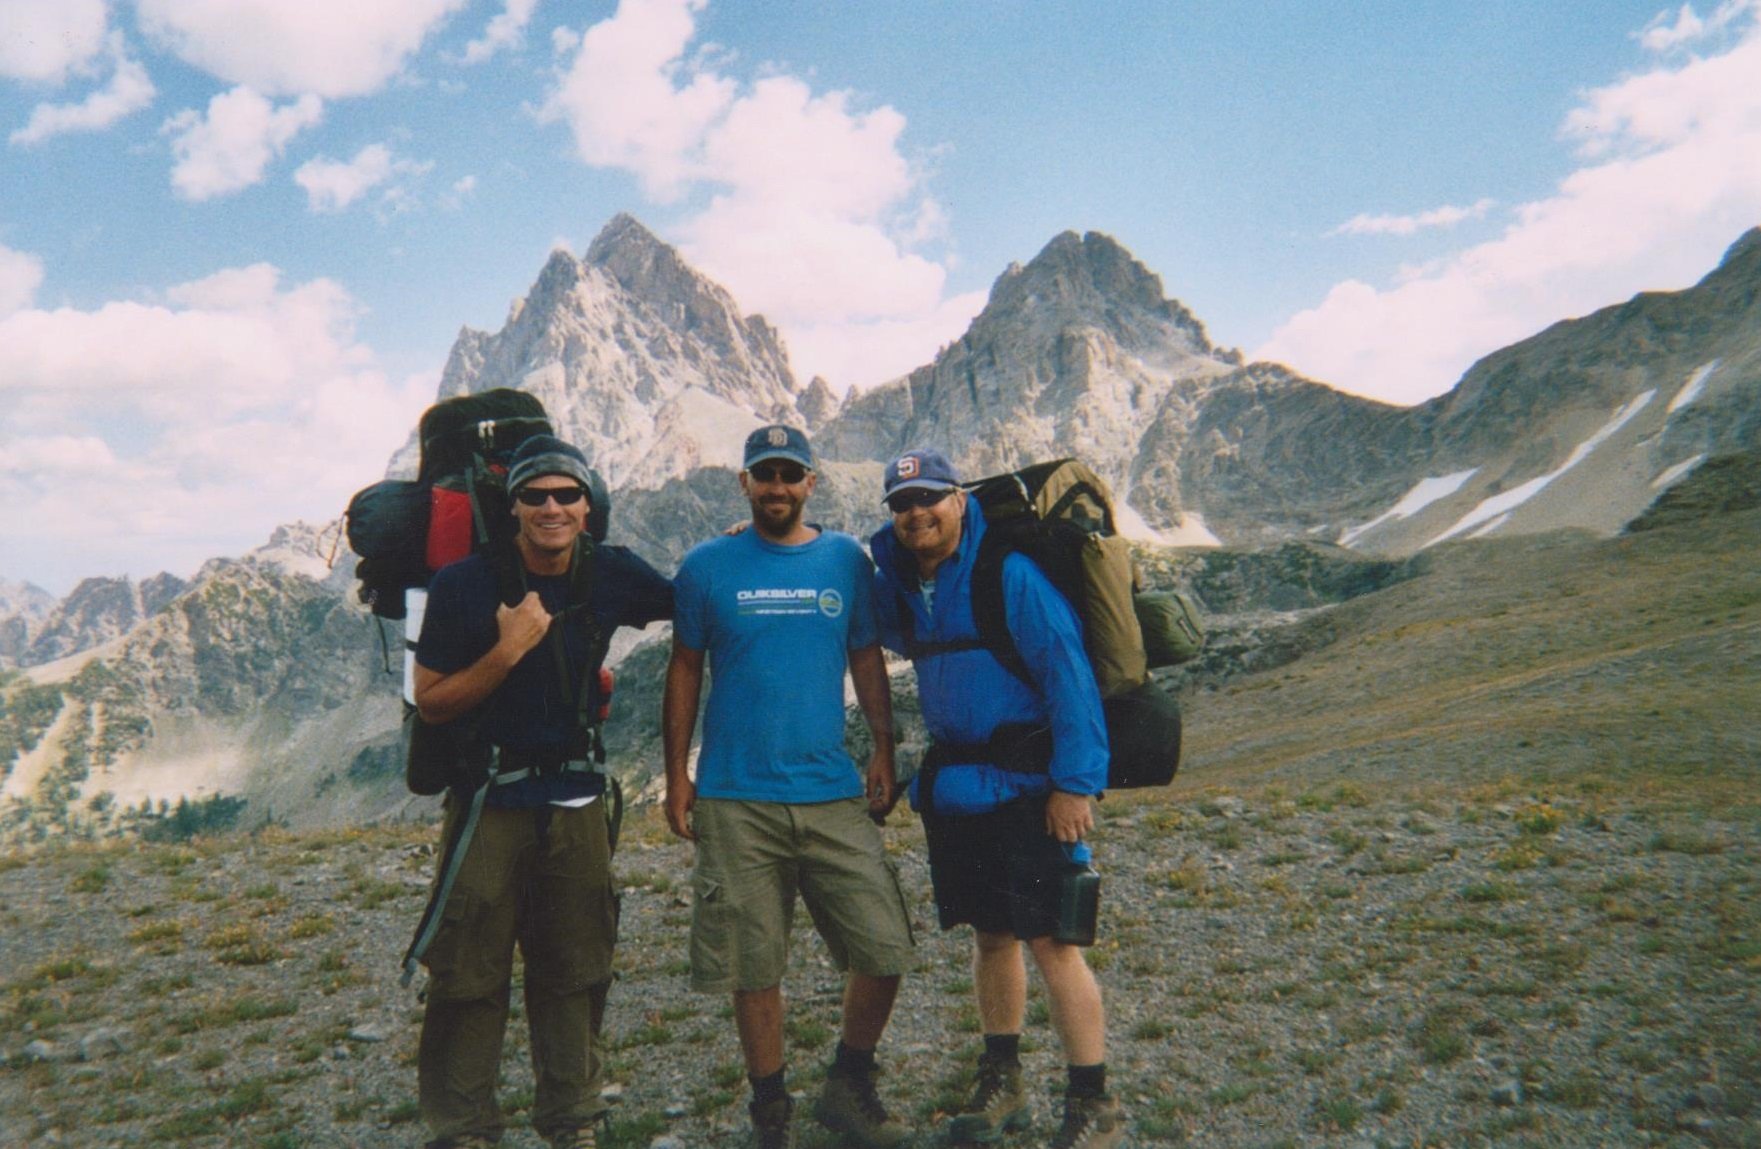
(642, 362)
(1073, 354)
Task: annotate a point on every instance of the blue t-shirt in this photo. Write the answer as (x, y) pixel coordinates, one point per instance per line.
(778, 623)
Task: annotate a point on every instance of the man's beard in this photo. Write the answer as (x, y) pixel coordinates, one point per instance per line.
(763, 518)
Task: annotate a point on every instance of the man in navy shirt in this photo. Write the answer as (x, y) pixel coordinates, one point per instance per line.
(778, 808)
(536, 867)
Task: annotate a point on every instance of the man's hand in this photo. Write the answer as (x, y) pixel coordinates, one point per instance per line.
(522, 627)
(883, 787)
(681, 796)
(1069, 816)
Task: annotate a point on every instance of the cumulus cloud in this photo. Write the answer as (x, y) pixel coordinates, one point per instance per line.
(1671, 174)
(228, 149)
(20, 275)
(813, 214)
(151, 434)
(44, 41)
(506, 30)
(332, 185)
(1442, 217)
(328, 48)
(128, 91)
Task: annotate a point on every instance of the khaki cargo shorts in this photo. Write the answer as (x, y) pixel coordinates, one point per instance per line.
(753, 858)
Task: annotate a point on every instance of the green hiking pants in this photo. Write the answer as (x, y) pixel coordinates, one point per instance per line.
(542, 879)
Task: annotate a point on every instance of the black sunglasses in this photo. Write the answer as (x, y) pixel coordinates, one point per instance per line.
(538, 496)
(790, 473)
(901, 501)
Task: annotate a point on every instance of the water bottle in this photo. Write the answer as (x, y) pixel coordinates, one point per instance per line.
(1079, 898)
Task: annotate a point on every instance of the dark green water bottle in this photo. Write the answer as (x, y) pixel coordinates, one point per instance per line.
(1079, 898)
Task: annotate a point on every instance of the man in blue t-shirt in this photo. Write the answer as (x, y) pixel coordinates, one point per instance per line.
(528, 859)
(778, 807)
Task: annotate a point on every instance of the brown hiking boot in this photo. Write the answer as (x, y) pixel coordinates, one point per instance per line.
(998, 1103)
(771, 1127)
(848, 1104)
(580, 1137)
(1090, 1123)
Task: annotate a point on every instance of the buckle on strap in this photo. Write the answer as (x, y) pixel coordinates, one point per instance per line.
(525, 766)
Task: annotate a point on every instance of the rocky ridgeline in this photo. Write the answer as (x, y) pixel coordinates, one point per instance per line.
(1282, 967)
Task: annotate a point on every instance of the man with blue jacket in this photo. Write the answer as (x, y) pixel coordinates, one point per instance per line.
(1000, 839)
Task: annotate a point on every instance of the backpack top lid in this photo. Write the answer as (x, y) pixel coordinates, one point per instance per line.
(1058, 489)
(491, 423)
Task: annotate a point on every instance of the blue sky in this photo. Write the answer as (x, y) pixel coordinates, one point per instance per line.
(237, 237)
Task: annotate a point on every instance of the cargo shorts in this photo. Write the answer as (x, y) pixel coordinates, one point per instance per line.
(754, 858)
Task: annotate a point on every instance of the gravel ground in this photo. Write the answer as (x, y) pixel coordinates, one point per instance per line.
(1281, 968)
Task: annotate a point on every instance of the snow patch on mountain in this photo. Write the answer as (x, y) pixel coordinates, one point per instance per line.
(1677, 472)
(1506, 501)
(1423, 494)
(1691, 389)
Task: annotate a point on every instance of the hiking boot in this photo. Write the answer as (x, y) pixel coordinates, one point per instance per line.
(581, 1137)
(998, 1103)
(1090, 1123)
(849, 1105)
(771, 1127)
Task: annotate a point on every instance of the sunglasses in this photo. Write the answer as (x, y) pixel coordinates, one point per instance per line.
(901, 501)
(538, 496)
(790, 473)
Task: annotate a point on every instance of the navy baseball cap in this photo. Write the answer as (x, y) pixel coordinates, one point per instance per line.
(778, 441)
(919, 470)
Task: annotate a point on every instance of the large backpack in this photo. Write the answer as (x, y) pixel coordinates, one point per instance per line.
(1060, 515)
(406, 529)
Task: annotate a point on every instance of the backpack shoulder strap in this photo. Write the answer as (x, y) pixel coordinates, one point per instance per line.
(989, 610)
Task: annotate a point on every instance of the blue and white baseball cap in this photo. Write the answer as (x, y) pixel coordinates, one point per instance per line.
(919, 470)
(778, 441)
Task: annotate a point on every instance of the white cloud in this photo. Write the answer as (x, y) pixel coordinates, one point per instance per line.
(332, 185)
(814, 211)
(1672, 175)
(20, 275)
(506, 30)
(46, 40)
(1668, 31)
(1443, 217)
(150, 435)
(330, 48)
(228, 150)
(129, 90)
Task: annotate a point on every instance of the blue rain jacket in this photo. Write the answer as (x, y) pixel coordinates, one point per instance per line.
(967, 694)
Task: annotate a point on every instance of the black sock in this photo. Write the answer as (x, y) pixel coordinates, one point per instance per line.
(768, 1088)
(853, 1062)
(1003, 1047)
(1088, 1080)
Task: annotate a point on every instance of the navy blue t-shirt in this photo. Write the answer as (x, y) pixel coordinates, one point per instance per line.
(531, 710)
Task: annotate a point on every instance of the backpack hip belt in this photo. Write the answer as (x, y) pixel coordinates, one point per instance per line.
(508, 766)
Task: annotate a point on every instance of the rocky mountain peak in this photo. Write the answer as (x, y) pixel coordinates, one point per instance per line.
(641, 361)
(1093, 279)
(1074, 353)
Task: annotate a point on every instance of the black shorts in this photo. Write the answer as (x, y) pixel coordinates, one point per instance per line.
(998, 872)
